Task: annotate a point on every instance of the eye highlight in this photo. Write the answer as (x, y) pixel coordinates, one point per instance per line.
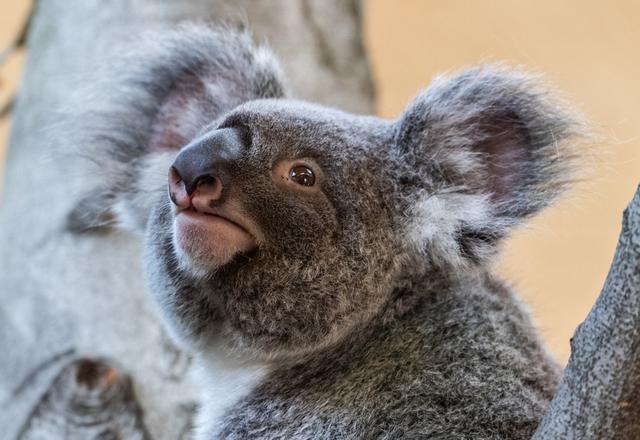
(302, 175)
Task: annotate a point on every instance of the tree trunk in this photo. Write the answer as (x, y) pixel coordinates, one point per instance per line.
(66, 296)
(598, 397)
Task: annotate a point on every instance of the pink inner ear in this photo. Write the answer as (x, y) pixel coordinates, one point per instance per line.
(181, 115)
(506, 154)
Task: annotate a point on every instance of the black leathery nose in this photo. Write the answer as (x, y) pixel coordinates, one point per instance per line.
(208, 156)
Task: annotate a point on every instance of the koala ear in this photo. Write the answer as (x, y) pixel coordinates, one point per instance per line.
(156, 99)
(198, 74)
(127, 197)
(487, 148)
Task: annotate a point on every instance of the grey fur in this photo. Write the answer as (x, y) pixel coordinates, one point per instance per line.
(372, 302)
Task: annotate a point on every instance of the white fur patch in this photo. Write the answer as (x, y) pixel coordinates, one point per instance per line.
(225, 380)
(436, 219)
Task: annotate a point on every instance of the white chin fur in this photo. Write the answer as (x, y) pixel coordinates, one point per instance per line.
(225, 380)
(199, 268)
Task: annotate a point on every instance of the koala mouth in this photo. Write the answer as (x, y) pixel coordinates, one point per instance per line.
(211, 239)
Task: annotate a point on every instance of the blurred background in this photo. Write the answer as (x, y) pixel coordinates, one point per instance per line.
(589, 49)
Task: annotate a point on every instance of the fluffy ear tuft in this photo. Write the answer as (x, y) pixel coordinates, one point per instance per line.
(154, 100)
(489, 144)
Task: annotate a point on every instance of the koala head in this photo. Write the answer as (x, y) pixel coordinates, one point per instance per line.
(276, 226)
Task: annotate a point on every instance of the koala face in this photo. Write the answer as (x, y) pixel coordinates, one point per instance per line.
(286, 238)
(276, 227)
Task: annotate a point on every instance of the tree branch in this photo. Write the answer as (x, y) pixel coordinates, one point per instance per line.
(21, 39)
(598, 394)
(90, 398)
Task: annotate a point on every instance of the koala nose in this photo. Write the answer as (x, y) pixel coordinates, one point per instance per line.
(203, 166)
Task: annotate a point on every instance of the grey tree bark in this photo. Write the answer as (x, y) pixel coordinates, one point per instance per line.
(66, 296)
(598, 397)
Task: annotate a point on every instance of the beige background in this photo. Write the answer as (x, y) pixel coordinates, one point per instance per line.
(590, 49)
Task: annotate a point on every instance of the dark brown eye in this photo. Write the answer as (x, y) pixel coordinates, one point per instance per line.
(302, 175)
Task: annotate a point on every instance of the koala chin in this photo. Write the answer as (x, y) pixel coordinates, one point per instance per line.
(331, 272)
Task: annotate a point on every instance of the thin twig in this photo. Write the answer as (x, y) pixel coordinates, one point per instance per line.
(21, 39)
(18, 43)
(7, 107)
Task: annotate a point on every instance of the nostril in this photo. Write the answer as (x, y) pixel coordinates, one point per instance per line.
(203, 181)
(209, 186)
(174, 176)
(177, 190)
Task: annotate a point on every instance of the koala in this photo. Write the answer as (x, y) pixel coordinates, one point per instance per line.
(331, 273)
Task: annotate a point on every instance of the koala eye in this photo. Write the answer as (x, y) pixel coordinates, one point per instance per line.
(302, 175)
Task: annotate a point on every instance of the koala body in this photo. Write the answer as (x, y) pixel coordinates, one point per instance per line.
(332, 272)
